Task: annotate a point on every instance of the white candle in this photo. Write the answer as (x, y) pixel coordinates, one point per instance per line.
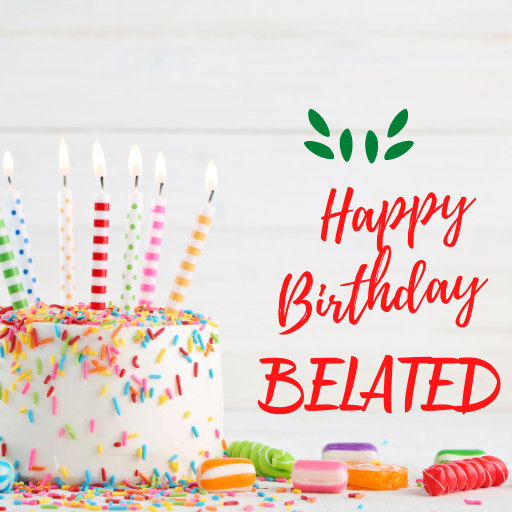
(66, 235)
(21, 239)
(100, 234)
(155, 234)
(132, 234)
(194, 247)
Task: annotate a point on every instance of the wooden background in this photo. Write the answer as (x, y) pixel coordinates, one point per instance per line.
(233, 81)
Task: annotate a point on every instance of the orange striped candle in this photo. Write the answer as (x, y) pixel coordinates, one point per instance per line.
(194, 247)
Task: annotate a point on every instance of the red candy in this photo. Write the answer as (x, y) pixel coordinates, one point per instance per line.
(500, 467)
(461, 478)
(434, 480)
(489, 470)
(464, 475)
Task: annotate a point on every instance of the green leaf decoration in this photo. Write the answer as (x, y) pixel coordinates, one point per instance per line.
(318, 123)
(398, 123)
(319, 149)
(346, 145)
(398, 150)
(371, 145)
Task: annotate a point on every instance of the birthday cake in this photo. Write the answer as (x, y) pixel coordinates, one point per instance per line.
(106, 395)
(90, 397)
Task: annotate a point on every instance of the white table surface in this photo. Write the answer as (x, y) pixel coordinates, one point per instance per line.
(233, 81)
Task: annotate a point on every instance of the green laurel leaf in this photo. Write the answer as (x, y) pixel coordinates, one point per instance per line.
(346, 145)
(371, 145)
(318, 123)
(398, 150)
(398, 123)
(319, 149)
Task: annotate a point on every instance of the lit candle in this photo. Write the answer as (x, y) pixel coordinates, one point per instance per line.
(67, 247)
(132, 234)
(19, 228)
(194, 247)
(100, 233)
(10, 270)
(156, 229)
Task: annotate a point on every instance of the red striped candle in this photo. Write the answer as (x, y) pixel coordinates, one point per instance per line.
(100, 235)
(156, 230)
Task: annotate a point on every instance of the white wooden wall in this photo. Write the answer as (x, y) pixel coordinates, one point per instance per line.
(233, 81)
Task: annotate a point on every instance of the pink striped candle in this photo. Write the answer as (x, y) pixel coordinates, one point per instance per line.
(156, 229)
(100, 234)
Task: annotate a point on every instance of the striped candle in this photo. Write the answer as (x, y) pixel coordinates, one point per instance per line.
(21, 239)
(66, 235)
(100, 234)
(194, 247)
(156, 228)
(132, 234)
(10, 270)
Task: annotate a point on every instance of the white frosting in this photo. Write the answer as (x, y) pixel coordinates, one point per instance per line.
(162, 428)
(350, 455)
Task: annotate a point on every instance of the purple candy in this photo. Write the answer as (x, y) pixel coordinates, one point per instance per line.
(347, 452)
(349, 446)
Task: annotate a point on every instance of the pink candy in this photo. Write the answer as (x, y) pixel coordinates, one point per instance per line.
(320, 475)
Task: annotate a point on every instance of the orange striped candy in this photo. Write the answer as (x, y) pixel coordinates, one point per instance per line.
(226, 475)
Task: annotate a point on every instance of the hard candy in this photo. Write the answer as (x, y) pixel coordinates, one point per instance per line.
(464, 475)
(346, 452)
(377, 476)
(320, 475)
(267, 461)
(228, 474)
(451, 455)
(6, 476)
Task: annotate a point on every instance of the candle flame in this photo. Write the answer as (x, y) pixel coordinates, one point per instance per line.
(98, 160)
(8, 164)
(135, 162)
(63, 158)
(160, 169)
(210, 178)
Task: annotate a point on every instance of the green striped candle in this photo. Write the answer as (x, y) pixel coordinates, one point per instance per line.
(10, 270)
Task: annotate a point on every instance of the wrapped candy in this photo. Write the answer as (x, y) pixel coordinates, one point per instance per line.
(381, 477)
(267, 461)
(6, 476)
(464, 475)
(320, 475)
(216, 475)
(346, 452)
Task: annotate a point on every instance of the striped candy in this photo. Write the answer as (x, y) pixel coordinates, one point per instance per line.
(100, 252)
(10, 269)
(190, 260)
(152, 254)
(6, 476)
(226, 475)
(320, 475)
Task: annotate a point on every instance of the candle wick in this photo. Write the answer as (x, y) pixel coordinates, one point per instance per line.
(211, 197)
(136, 181)
(102, 184)
(160, 193)
(9, 180)
(64, 180)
